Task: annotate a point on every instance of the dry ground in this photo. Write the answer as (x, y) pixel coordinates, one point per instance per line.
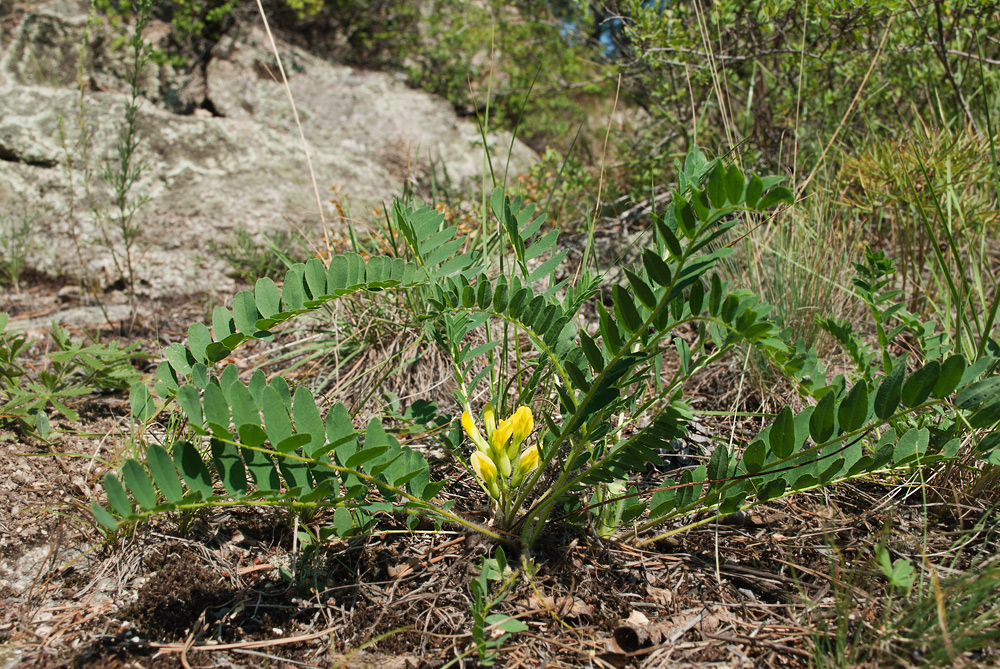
(751, 592)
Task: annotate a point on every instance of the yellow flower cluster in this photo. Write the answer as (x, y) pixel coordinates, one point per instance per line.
(498, 459)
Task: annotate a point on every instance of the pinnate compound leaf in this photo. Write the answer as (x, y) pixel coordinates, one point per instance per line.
(918, 387)
(853, 411)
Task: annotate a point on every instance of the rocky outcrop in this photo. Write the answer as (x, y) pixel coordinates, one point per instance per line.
(237, 162)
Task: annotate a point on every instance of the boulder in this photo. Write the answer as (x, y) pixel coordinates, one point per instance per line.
(238, 163)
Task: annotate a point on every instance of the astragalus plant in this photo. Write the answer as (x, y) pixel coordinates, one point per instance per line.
(561, 380)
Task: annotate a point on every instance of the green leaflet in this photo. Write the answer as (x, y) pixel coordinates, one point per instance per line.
(641, 289)
(952, 369)
(889, 392)
(266, 297)
(164, 473)
(117, 497)
(976, 393)
(782, 434)
(141, 402)
(918, 387)
(853, 411)
(821, 423)
(139, 484)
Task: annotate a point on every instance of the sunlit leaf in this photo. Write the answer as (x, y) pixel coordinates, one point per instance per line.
(117, 497)
(161, 466)
(139, 484)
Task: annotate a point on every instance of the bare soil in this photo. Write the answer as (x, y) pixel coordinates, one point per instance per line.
(233, 589)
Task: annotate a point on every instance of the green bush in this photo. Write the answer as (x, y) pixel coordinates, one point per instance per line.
(780, 75)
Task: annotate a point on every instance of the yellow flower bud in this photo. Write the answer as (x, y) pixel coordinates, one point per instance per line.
(526, 463)
(473, 432)
(490, 419)
(484, 468)
(500, 437)
(522, 423)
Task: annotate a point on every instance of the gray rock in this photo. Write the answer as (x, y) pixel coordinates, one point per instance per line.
(206, 176)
